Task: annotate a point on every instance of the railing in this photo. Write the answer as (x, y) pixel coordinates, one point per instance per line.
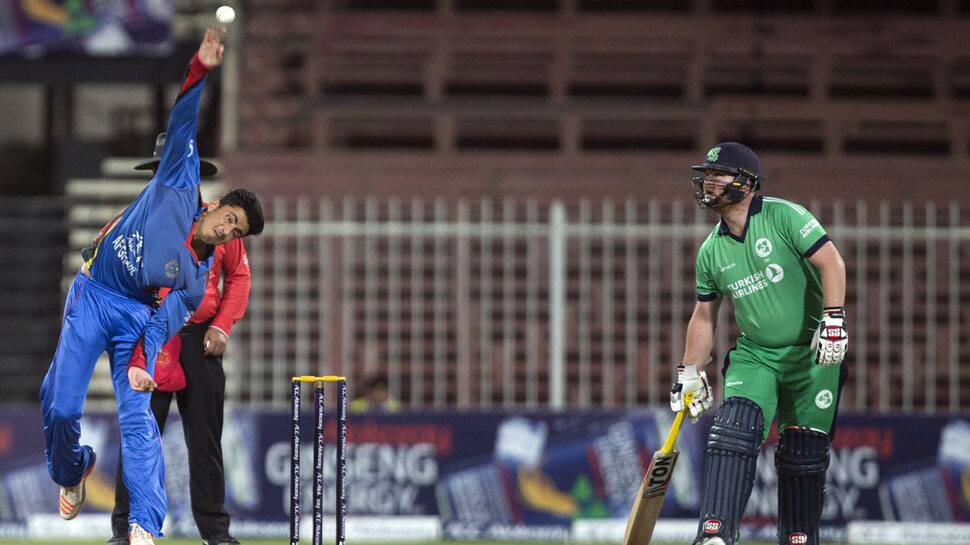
(521, 303)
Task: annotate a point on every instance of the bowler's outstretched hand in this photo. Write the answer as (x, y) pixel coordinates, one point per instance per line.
(212, 48)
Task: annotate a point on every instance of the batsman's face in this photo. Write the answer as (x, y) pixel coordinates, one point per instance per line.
(715, 184)
(221, 224)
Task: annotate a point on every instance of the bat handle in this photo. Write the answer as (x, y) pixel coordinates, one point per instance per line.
(668, 446)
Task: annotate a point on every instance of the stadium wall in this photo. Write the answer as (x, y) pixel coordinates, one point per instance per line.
(556, 476)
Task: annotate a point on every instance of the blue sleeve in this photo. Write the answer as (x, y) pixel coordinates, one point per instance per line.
(174, 313)
(179, 165)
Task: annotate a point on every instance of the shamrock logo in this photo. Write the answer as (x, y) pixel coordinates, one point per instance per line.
(762, 247)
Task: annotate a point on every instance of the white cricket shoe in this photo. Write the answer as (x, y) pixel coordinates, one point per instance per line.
(713, 541)
(73, 497)
(138, 536)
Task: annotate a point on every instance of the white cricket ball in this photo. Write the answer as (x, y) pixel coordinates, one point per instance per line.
(225, 14)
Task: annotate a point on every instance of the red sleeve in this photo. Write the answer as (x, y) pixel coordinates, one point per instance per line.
(196, 72)
(235, 287)
(138, 357)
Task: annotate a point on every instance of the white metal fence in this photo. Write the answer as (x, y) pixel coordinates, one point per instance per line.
(520, 303)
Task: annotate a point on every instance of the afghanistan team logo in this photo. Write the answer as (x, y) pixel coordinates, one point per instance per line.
(172, 269)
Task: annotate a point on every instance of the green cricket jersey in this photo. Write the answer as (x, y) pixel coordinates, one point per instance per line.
(776, 292)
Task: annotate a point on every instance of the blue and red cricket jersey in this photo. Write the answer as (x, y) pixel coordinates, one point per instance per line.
(109, 308)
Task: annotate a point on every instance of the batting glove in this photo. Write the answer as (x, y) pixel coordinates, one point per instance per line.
(694, 383)
(831, 338)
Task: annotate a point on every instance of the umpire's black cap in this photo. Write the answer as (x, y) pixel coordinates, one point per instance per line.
(731, 157)
(206, 168)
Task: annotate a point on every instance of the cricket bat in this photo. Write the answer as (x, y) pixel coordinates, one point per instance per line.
(650, 498)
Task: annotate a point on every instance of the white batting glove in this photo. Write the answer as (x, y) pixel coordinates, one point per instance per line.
(831, 338)
(694, 383)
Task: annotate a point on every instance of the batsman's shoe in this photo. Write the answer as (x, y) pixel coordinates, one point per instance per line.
(139, 536)
(73, 497)
(713, 541)
(117, 540)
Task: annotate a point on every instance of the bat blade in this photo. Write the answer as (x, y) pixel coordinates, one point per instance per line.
(650, 498)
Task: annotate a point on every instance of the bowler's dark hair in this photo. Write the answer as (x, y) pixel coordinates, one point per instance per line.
(249, 202)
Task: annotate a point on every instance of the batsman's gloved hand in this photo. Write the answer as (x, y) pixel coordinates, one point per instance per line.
(691, 382)
(831, 338)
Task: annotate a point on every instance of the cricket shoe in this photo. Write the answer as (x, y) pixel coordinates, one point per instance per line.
(713, 541)
(73, 497)
(139, 536)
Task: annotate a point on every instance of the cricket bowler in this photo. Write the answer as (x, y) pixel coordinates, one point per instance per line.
(786, 281)
(164, 239)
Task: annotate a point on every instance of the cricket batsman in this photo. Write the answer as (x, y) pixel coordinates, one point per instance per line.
(164, 239)
(786, 281)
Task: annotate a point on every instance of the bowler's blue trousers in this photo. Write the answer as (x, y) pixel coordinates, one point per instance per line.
(98, 319)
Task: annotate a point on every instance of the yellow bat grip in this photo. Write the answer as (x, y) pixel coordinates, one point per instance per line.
(675, 428)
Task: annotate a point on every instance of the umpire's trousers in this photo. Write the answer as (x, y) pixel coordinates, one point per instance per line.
(200, 406)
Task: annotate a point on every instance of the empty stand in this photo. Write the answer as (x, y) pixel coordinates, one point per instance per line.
(611, 88)
(644, 67)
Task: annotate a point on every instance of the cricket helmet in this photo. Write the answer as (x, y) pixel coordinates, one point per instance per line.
(733, 159)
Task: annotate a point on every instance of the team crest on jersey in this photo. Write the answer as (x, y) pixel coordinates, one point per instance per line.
(762, 247)
(774, 273)
(824, 399)
(172, 269)
(713, 154)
